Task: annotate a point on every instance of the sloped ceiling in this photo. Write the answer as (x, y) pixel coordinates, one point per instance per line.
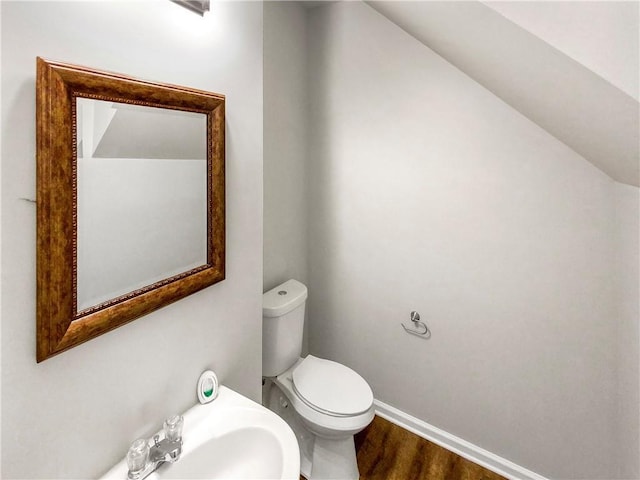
(587, 99)
(601, 35)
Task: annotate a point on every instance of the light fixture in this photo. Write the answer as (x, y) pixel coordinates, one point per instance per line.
(197, 6)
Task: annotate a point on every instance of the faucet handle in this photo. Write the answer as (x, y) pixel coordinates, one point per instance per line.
(137, 456)
(173, 428)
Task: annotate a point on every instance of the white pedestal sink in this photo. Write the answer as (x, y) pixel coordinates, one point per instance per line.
(230, 438)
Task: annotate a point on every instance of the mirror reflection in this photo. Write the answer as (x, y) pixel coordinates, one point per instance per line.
(141, 197)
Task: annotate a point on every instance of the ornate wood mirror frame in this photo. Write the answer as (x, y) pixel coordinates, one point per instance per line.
(60, 325)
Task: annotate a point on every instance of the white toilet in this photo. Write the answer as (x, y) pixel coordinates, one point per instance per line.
(324, 402)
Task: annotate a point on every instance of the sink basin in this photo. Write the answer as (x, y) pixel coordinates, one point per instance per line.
(230, 438)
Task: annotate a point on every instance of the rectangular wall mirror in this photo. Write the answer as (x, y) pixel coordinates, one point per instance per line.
(130, 185)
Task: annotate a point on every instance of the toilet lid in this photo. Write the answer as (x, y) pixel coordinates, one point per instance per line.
(331, 387)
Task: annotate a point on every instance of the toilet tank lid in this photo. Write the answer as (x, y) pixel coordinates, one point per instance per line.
(282, 299)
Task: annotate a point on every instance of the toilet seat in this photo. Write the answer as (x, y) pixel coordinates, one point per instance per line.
(331, 388)
(317, 421)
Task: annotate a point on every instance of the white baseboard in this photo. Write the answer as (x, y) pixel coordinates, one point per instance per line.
(454, 444)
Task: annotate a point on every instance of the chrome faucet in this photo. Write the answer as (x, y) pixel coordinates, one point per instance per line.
(143, 460)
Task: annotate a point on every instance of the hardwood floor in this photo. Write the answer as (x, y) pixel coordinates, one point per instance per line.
(388, 452)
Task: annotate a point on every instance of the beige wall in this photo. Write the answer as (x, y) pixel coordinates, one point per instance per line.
(429, 193)
(73, 416)
(285, 137)
(627, 264)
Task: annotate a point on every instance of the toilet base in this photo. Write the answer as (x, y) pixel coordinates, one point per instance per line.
(334, 460)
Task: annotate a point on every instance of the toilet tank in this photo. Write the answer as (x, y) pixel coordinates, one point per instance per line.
(282, 325)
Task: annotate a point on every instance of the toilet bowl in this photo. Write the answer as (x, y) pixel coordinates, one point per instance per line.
(323, 401)
(325, 413)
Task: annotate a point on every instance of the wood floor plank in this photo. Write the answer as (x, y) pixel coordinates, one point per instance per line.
(386, 451)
